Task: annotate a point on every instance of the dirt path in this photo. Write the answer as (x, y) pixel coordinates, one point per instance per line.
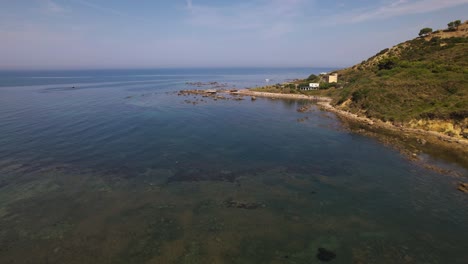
(327, 106)
(286, 96)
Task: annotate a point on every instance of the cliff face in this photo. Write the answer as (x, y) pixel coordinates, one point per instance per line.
(421, 83)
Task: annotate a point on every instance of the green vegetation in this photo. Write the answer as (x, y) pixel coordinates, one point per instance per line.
(428, 78)
(454, 25)
(326, 86)
(288, 88)
(425, 31)
(416, 80)
(420, 83)
(313, 78)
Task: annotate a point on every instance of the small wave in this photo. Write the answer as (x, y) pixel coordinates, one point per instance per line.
(59, 77)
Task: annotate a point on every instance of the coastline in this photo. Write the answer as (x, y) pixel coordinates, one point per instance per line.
(328, 107)
(325, 104)
(284, 96)
(419, 140)
(416, 140)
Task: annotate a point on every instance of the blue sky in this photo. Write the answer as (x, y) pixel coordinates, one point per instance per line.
(82, 34)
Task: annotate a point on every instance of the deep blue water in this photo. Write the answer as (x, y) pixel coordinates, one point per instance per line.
(113, 166)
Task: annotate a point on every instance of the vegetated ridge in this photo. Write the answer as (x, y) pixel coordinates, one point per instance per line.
(421, 83)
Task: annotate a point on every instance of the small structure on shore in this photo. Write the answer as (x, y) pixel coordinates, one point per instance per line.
(211, 91)
(332, 78)
(312, 86)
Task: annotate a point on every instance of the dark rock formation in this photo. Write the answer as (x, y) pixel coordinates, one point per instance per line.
(231, 203)
(463, 187)
(325, 255)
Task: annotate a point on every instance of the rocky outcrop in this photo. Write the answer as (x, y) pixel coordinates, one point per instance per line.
(463, 187)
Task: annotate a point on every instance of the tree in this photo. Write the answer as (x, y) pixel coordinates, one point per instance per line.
(451, 25)
(425, 31)
(387, 63)
(312, 77)
(454, 25)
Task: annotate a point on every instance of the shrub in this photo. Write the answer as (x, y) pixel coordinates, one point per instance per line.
(359, 95)
(382, 52)
(387, 64)
(313, 77)
(425, 31)
(324, 85)
(459, 115)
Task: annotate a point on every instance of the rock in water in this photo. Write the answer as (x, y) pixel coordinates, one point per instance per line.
(463, 187)
(230, 203)
(325, 255)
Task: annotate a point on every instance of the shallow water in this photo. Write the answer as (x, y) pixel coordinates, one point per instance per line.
(120, 169)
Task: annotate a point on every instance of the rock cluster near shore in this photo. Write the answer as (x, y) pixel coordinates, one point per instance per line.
(213, 94)
(422, 139)
(231, 203)
(463, 187)
(212, 84)
(284, 96)
(327, 106)
(304, 108)
(325, 255)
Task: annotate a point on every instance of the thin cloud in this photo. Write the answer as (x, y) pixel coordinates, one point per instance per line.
(53, 7)
(397, 8)
(108, 10)
(270, 18)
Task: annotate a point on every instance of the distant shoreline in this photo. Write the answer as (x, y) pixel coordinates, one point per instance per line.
(325, 103)
(327, 106)
(455, 145)
(283, 96)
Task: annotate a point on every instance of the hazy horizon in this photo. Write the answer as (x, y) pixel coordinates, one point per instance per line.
(85, 34)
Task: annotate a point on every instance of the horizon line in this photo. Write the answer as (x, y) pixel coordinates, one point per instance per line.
(170, 68)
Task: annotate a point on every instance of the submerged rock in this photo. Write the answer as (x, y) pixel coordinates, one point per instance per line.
(198, 174)
(304, 108)
(422, 141)
(325, 255)
(463, 187)
(231, 203)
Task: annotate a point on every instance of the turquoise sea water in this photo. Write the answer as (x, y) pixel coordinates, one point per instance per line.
(115, 167)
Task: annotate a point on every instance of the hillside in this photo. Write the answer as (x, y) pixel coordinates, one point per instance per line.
(421, 83)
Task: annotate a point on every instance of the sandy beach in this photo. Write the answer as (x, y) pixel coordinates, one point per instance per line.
(455, 145)
(285, 96)
(327, 106)
(325, 103)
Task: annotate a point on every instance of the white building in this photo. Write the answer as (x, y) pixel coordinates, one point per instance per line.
(312, 86)
(332, 78)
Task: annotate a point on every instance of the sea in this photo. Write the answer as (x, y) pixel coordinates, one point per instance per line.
(117, 166)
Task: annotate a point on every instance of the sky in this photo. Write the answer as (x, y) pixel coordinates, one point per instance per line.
(110, 34)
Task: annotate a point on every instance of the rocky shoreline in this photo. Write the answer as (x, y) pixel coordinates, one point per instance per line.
(410, 142)
(285, 96)
(325, 104)
(419, 139)
(328, 107)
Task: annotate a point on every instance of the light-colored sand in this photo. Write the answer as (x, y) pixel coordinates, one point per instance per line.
(328, 107)
(287, 96)
(325, 103)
